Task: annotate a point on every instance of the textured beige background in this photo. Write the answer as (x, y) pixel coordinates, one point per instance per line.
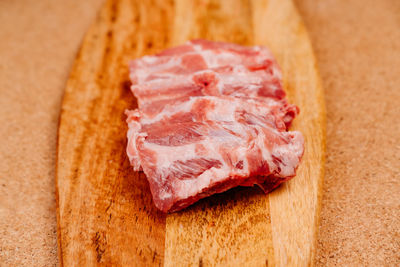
(357, 43)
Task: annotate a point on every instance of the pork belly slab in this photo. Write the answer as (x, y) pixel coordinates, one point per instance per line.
(212, 116)
(207, 145)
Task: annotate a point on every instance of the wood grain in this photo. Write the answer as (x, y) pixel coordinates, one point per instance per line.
(105, 212)
(295, 207)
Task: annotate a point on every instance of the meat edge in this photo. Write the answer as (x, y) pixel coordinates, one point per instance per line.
(265, 183)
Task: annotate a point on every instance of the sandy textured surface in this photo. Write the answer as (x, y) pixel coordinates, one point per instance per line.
(358, 47)
(357, 44)
(39, 41)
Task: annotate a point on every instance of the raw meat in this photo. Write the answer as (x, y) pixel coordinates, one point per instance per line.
(211, 116)
(206, 68)
(208, 144)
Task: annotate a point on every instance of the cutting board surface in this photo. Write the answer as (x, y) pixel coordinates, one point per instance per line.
(105, 211)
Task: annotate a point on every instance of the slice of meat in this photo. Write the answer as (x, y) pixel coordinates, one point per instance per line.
(199, 55)
(204, 145)
(206, 68)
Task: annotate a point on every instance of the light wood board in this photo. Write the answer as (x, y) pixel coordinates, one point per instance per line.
(105, 211)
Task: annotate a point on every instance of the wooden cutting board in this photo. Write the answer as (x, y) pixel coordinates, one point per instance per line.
(105, 211)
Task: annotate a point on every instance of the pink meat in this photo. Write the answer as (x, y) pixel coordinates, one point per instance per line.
(211, 116)
(208, 144)
(206, 68)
